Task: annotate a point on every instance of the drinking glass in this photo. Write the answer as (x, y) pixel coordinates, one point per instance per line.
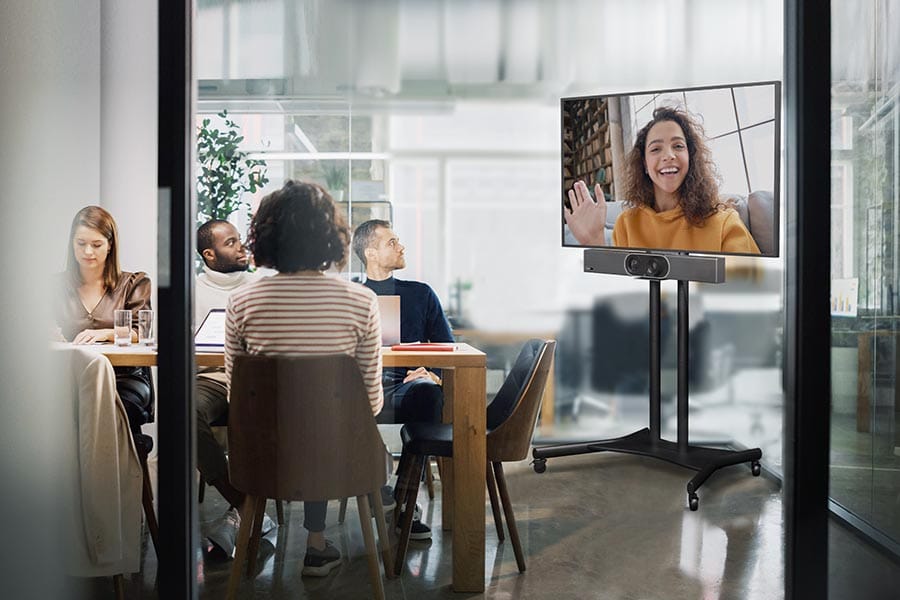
(145, 328)
(122, 327)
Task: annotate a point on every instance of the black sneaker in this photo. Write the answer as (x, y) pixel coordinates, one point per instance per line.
(319, 563)
(419, 531)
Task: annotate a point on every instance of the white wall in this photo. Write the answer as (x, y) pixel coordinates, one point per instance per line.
(49, 167)
(77, 127)
(128, 128)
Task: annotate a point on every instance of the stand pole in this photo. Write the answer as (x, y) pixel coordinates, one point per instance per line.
(648, 441)
(683, 369)
(655, 362)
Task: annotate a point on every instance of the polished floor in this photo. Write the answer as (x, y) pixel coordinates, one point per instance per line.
(604, 526)
(598, 526)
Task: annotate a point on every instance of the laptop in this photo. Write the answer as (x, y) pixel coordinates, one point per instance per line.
(211, 333)
(389, 308)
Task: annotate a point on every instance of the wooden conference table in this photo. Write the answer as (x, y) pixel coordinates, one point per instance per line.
(464, 377)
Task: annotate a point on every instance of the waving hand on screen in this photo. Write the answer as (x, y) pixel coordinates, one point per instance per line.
(587, 218)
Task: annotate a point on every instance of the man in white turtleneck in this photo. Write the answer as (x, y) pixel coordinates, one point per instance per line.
(225, 269)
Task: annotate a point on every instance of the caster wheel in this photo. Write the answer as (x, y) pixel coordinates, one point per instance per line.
(755, 468)
(693, 501)
(540, 465)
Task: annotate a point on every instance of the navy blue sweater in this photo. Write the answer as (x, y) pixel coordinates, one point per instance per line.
(421, 316)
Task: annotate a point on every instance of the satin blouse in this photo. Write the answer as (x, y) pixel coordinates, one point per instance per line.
(132, 293)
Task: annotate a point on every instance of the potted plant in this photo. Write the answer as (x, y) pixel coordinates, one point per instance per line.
(224, 171)
(335, 180)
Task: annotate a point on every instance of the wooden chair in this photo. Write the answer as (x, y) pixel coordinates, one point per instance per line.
(511, 419)
(300, 428)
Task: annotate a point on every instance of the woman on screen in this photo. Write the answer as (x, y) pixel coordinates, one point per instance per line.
(92, 288)
(671, 195)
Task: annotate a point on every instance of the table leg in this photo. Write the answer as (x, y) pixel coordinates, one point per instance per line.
(447, 507)
(469, 460)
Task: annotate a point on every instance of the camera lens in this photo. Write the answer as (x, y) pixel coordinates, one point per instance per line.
(634, 264)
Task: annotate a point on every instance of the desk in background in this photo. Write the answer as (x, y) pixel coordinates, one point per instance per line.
(463, 487)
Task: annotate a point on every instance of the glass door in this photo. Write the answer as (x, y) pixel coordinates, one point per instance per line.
(865, 307)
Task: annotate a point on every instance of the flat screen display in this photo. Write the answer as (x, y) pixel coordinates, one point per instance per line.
(692, 170)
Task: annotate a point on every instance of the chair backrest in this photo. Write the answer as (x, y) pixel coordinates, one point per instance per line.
(510, 438)
(301, 428)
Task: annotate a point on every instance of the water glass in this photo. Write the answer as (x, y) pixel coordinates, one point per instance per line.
(122, 327)
(145, 328)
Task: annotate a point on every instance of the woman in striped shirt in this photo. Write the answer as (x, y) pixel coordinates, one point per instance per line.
(301, 311)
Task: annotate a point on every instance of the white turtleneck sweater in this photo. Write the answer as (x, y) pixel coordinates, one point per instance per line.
(213, 289)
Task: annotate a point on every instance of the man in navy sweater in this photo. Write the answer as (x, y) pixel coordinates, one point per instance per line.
(413, 395)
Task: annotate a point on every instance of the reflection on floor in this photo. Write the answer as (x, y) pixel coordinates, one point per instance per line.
(604, 526)
(865, 471)
(598, 526)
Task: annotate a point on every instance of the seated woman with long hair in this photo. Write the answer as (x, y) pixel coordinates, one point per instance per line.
(92, 288)
(671, 195)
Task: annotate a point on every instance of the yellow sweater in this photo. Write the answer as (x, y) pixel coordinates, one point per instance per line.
(643, 227)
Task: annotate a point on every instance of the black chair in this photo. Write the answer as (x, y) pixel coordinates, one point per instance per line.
(133, 384)
(511, 419)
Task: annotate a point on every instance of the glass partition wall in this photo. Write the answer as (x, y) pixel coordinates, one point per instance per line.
(455, 139)
(865, 290)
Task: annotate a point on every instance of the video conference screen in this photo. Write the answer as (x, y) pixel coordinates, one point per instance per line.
(686, 170)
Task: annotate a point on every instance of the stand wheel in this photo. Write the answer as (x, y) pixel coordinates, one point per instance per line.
(755, 468)
(540, 465)
(693, 501)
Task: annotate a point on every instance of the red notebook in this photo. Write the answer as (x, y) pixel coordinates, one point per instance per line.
(425, 347)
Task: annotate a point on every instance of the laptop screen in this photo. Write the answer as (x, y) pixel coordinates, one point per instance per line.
(211, 333)
(389, 308)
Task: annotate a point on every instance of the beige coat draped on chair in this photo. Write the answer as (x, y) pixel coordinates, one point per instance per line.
(102, 472)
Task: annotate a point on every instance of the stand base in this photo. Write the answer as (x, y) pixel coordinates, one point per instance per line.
(703, 460)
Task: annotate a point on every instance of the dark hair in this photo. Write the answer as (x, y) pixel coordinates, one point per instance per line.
(205, 237)
(297, 229)
(699, 192)
(98, 219)
(362, 237)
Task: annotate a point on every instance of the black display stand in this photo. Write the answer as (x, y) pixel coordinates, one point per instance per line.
(647, 441)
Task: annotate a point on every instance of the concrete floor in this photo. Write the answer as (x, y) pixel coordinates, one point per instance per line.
(604, 526)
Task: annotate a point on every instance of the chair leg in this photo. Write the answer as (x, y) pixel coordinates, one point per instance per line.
(119, 586)
(362, 502)
(414, 473)
(279, 511)
(201, 490)
(259, 510)
(342, 511)
(495, 502)
(510, 518)
(383, 538)
(408, 476)
(429, 478)
(240, 548)
(147, 501)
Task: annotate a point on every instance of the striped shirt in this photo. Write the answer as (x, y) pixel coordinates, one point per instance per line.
(300, 315)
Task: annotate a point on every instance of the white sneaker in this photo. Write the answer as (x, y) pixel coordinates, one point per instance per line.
(223, 532)
(267, 525)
